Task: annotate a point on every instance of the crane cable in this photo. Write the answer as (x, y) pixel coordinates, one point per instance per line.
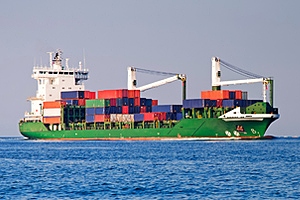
(154, 72)
(239, 70)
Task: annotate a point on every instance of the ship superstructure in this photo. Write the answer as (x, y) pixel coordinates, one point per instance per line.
(52, 80)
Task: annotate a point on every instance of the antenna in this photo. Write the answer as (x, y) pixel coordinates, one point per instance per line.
(67, 63)
(50, 58)
(80, 65)
(84, 59)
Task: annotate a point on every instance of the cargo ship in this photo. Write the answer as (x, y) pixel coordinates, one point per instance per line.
(63, 109)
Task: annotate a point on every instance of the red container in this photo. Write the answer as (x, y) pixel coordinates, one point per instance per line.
(143, 109)
(89, 95)
(162, 116)
(131, 93)
(113, 102)
(137, 101)
(215, 94)
(150, 116)
(102, 118)
(154, 102)
(219, 102)
(81, 102)
(137, 93)
(109, 94)
(51, 120)
(125, 109)
(52, 104)
(238, 94)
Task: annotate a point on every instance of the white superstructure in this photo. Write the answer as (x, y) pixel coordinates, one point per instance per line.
(52, 81)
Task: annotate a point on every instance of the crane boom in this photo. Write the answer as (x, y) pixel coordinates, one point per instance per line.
(132, 83)
(217, 83)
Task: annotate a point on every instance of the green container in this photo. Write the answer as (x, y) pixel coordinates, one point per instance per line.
(94, 103)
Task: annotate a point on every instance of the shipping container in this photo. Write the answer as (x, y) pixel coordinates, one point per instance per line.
(113, 102)
(131, 101)
(89, 95)
(119, 110)
(90, 118)
(102, 118)
(238, 94)
(108, 94)
(231, 94)
(197, 103)
(148, 102)
(143, 101)
(90, 111)
(232, 103)
(154, 102)
(137, 101)
(143, 109)
(128, 118)
(150, 116)
(137, 109)
(154, 116)
(97, 103)
(51, 120)
(72, 95)
(125, 109)
(215, 94)
(178, 116)
(52, 104)
(52, 112)
(102, 110)
(170, 116)
(138, 117)
(122, 101)
(167, 108)
(113, 118)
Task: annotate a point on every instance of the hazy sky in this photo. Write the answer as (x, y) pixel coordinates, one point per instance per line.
(172, 36)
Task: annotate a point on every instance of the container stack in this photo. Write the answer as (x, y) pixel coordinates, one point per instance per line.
(228, 98)
(120, 105)
(52, 112)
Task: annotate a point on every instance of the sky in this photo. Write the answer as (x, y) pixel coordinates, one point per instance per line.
(175, 36)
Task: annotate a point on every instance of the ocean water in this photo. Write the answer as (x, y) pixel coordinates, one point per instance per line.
(256, 169)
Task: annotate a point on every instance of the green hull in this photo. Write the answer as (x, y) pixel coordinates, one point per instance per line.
(204, 128)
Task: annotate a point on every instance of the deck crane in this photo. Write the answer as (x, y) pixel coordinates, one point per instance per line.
(132, 83)
(253, 78)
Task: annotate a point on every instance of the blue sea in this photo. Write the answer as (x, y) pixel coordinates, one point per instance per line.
(251, 169)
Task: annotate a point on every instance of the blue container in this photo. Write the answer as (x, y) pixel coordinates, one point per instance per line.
(148, 108)
(197, 103)
(131, 101)
(102, 110)
(90, 118)
(131, 109)
(75, 102)
(112, 110)
(231, 94)
(148, 102)
(170, 116)
(122, 101)
(167, 108)
(119, 110)
(138, 117)
(72, 95)
(178, 116)
(90, 111)
(137, 109)
(231, 103)
(142, 101)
